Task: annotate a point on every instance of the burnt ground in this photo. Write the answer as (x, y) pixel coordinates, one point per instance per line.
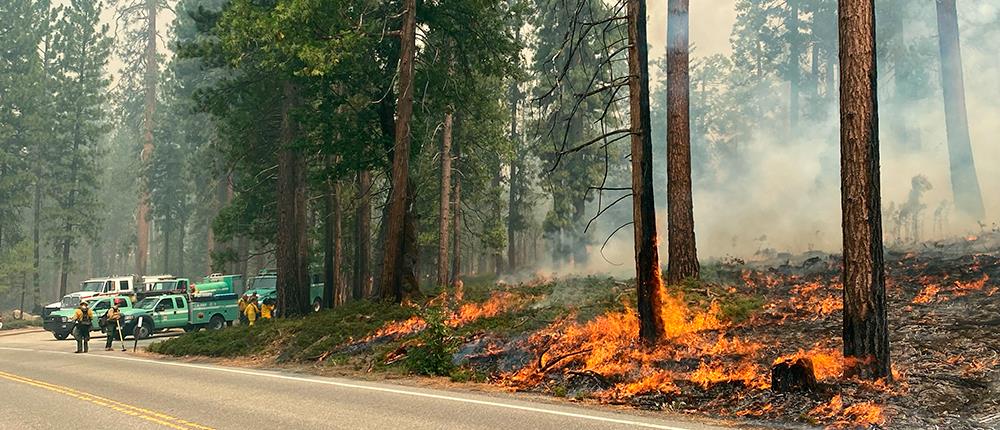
(577, 338)
(944, 316)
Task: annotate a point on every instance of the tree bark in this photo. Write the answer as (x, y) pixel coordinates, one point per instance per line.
(166, 248)
(181, 236)
(682, 255)
(445, 216)
(329, 265)
(292, 245)
(142, 217)
(964, 183)
(456, 268)
(394, 241)
(647, 262)
(866, 334)
(338, 246)
(64, 268)
(362, 223)
(36, 236)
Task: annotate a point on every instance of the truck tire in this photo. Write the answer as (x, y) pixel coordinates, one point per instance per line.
(317, 305)
(145, 330)
(60, 336)
(216, 323)
(191, 328)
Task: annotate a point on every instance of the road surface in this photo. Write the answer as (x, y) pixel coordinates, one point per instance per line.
(44, 385)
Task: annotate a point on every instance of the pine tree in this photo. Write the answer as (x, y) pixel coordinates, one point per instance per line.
(83, 49)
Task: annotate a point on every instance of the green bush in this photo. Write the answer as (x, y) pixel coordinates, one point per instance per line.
(432, 356)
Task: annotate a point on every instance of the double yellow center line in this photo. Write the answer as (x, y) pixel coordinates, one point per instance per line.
(148, 415)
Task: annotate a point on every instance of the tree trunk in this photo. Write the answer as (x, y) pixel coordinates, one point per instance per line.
(150, 78)
(329, 266)
(647, 261)
(338, 246)
(456, 268)
(964, 183)
(394, 241)
(181, 236)
(794, 57)
(292, 245)
(682, 255)
(445, 216)
(866, 334)
(36, 236)
(514, 186)
(64, 267)
(166, 249)
(362, 223)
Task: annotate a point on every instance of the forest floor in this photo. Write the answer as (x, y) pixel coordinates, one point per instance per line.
(576, 338)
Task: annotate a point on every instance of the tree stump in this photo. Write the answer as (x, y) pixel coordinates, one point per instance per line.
(793, 375)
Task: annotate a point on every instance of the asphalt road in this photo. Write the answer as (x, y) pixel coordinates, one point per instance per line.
(44, 385)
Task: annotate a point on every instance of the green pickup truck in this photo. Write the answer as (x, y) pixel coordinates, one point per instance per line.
(188, 312)
(60, 323)
(265, 285)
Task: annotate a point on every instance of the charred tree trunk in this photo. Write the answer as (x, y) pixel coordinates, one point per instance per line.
(445, 216)
(514, 187)
(794, 71)
(964, 183)
(394, 239)
(647, 261)
(682, 255)
(150, 78)
(866, 333)
(292, 246)
(362, 233)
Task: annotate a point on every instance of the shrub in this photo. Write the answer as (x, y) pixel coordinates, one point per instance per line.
(432, 354)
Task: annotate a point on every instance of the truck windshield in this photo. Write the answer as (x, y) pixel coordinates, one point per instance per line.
(265, 282)
(147, 303)
(93, 286)
(164, 286)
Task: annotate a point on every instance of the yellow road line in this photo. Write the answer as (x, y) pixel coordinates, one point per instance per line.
(148, 415)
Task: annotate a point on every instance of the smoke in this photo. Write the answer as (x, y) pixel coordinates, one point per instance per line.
(780, 192)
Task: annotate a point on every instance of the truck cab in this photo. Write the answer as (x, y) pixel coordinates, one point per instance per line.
(60, 323)
(161, 285)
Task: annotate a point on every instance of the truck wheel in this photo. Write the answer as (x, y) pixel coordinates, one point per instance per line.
(191, 328)
(217, 322)
(145, 330)
(60, 336)
(317, 305)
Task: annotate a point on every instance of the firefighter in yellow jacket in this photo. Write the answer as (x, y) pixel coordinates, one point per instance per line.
(242, 303)
(251, 312)
(83, 318)
(267, 309)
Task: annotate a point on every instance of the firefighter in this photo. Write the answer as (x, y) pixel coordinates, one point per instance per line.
(243, 308)
(82, 318)
(251, 312)
(111, 328)
(267, 309)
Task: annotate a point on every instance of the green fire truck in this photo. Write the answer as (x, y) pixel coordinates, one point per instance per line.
(210, 304)
(265, 285)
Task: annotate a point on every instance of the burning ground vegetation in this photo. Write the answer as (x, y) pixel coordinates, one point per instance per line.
(577, 338)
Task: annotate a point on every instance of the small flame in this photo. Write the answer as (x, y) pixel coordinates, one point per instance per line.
(927, 294)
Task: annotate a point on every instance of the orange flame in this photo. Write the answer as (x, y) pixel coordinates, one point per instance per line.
(927, 294)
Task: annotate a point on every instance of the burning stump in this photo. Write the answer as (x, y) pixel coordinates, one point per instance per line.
(793, 375)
